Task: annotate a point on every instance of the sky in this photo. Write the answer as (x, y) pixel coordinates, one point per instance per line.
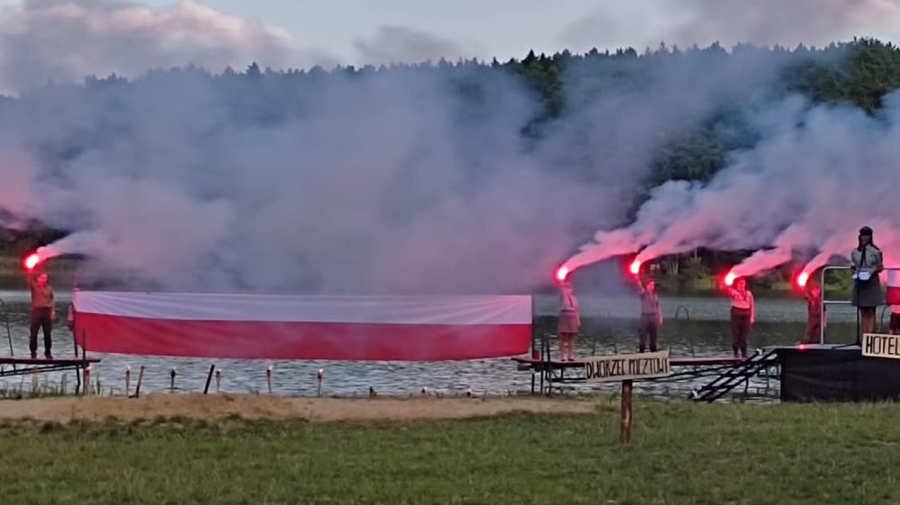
(507, 28)
(78, 37)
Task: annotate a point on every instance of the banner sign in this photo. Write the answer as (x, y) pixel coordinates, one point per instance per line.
(881, 346)
(622, 367)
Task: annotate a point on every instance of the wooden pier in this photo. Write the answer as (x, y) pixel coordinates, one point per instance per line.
(12, 366)
(725, 372)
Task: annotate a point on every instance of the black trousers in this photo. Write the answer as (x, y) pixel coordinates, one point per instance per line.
(648, 331)
(814, 330)
(41, 318)
(740, 330)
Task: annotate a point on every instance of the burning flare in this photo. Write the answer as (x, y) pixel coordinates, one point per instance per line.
(802, 279)
(729, 278)
(635, 267)
(561, 273)
(31, 261)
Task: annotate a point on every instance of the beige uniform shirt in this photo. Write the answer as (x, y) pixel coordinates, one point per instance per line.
(872, 260)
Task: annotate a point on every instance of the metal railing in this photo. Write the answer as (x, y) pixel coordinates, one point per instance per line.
(825, 302)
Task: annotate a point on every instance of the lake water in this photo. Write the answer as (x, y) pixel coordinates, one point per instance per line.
(701, 328)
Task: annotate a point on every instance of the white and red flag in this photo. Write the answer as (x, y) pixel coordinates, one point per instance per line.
(892, 294)
(244, 326)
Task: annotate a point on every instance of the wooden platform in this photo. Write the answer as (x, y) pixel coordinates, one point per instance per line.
(12, 366)
(44, 361)
(673, 361)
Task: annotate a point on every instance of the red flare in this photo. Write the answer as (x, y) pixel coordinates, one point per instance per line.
(802, 347)
(561, 273)
(729, 279)
(635, 267)
(802, 279)
(31, 261)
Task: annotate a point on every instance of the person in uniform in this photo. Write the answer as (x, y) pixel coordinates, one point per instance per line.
(43, 312)
(866, 264)
(651, 316)
(743, 315)
(814, 311)
(569, 321)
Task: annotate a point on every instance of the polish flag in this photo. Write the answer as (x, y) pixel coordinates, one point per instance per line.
(303, 327)
(893, 288)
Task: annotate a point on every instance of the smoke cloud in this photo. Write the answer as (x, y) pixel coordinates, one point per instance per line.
(818, 175)
(413, 180)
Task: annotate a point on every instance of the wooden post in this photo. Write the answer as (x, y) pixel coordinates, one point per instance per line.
(218, 379)
(84, 362)
(626, 411)
(209, 377)
(137, 388)
(269, 378)
(127, 381)
(172, 381)
(319, 387)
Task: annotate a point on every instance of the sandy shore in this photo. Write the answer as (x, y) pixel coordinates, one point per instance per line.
(273, 407)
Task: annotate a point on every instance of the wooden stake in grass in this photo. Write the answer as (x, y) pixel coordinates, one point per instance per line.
(172, 380)
(209, 377)
(137, 388)
(626, 411)
(269, 378)
(218, 379)
(321, 373)
(127, 381)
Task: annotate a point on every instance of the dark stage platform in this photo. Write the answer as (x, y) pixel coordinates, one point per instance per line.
(836, 373)
(673, 361)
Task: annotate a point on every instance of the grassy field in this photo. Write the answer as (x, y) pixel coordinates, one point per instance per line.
(681, 453)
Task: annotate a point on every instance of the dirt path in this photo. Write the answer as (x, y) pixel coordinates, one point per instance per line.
(273, 407)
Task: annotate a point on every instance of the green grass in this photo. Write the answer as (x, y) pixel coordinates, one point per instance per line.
(681, 453)
(35, 386)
